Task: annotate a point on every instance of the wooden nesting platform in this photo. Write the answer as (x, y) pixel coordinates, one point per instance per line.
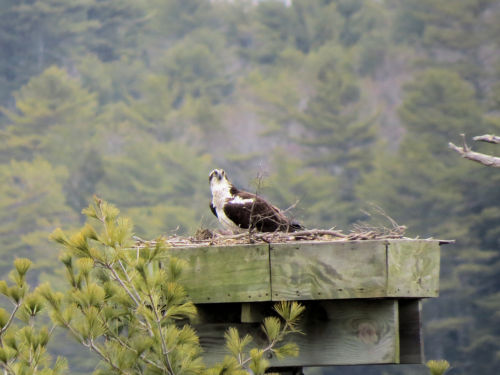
(362, 298)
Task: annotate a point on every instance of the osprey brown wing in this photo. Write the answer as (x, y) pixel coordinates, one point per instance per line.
(257, 213)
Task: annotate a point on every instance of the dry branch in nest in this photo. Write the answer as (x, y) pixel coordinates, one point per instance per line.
(467, 153)
(206, 237)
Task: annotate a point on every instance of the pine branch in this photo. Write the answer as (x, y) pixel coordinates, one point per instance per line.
(162, 337)
(11, 318)
(7, 369)
(129, 281)
(122, 284)
(113, 336)
(271, 345)
(90, 344)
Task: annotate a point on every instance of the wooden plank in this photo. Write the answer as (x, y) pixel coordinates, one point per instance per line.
(328, 270)
(252, 312)
(226, 273)
(410, 331)
(344, 332)
(413, 268)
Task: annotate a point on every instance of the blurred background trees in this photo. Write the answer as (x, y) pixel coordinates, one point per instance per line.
(338, 104)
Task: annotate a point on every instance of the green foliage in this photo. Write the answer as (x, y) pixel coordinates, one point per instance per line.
(33, 204)
(53, 112)
(37, 34)
(450, 108)
(23, 349)
(438, 367)
(275, 330)
(337, 103)
(133, 313)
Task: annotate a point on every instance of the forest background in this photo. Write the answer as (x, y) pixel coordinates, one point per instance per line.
(337, 104)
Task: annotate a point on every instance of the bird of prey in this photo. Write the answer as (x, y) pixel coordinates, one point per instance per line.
(239, 210)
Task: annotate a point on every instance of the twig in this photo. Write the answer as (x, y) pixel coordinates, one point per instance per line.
(91, 346)
(11, 317)
(291, 207)
(162, 337)
(120, 281)
(319, 232)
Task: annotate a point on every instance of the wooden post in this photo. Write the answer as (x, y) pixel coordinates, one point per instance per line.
(362, 298)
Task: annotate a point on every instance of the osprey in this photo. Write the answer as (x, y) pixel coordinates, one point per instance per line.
(238, 210)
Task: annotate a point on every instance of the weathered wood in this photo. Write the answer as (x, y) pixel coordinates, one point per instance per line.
(311, 270)
(410, 331)
(413, 268)
(328, 270)
(336, 333)
(226, 273)
(252, 312)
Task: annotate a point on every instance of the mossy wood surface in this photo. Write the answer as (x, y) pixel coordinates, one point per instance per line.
(226, 274)
(311, 271)
(413, 268)
(328, 270)
(342, 332)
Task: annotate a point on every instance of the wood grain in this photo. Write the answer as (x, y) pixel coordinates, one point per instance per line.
(226, 273)
(342, 332)
(328, 270)
(311, 270)
(413, 268)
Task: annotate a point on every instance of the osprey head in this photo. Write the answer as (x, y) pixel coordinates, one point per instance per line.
(217, 178)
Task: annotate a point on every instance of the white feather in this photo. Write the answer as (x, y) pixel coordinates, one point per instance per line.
(239, 200)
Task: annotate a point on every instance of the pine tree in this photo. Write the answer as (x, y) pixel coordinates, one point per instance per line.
(35, 35)
(336, 137)
(53, 117)
(427, 188)
(135, 315)
(32, 204)
(23, 349)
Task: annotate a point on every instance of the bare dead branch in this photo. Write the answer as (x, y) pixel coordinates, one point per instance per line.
(487, 138)
(488, 160)
(467, 153)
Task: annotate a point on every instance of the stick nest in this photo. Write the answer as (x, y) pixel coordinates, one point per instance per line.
(207, 237)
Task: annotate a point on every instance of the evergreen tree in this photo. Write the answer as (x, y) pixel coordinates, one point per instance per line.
(32, 204)
(53, 118)
(161, 183)
(335, 136)
(23, 349)
(135, 315)
(37, 34)
(425, 180)
(313, 195)
(437, 105)
(194, 68)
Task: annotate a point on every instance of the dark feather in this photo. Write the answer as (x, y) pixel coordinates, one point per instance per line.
(259, 214)
(212, 208)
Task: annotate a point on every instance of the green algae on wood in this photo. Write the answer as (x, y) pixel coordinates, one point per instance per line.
(311, 270)
(304, 271)
(413, 268)
(343, 332)
(226, 273)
